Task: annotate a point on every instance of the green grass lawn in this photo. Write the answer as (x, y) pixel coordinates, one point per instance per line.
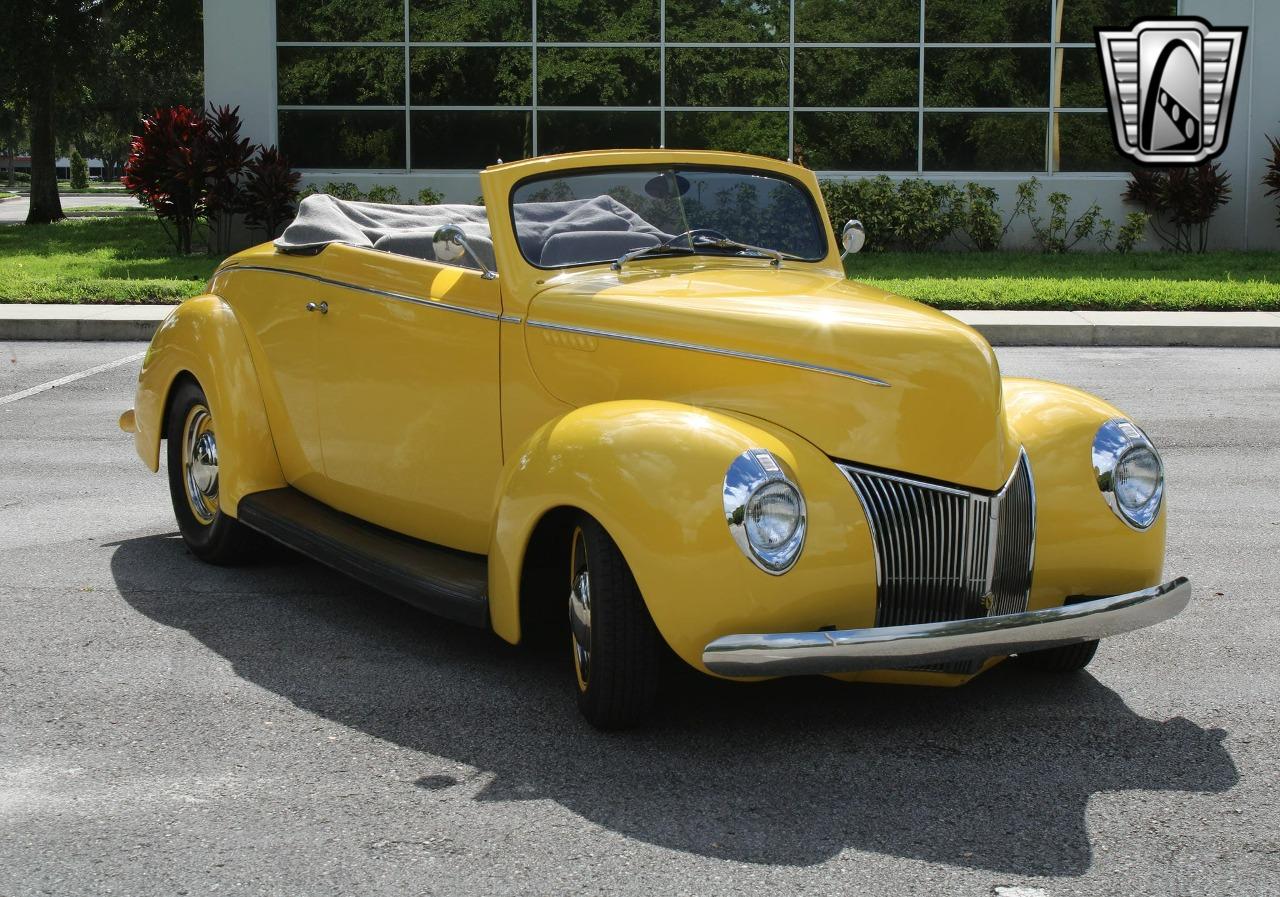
(1215, 281)
(105, 260)
(129, 259)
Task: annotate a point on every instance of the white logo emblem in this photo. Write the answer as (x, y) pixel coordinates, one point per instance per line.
(1171, 84)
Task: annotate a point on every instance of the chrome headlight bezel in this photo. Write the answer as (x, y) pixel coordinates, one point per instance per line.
(749, 474)
(1113, 442)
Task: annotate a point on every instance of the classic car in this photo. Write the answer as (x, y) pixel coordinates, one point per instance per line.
(633, 402)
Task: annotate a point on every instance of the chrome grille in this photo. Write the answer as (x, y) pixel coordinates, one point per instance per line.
(944, 553)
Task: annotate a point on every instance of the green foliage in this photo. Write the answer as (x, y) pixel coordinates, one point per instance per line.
(429, 197)
(345, 190)
(1077, 280)
(382, 193)
(79, 171)
(1271, 180)
(914, 214)
(1132, 231)
(1181, 202)
(1059, 232)
(980, 220)
(109, 260)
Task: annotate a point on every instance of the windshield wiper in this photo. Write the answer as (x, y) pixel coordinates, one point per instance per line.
(701, 238)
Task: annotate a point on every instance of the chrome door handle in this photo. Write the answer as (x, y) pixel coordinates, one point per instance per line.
(322, 307)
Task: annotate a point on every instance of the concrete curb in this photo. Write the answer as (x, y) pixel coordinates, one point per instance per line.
(1242, 329)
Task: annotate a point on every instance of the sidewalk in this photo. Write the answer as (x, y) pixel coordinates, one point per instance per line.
(1240, 329)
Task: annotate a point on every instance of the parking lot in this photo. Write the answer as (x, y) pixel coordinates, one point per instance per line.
(172, 728)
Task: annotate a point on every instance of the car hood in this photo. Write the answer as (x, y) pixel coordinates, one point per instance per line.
(867, 376)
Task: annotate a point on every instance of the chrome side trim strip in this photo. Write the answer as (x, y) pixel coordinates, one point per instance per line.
(401, 297)
(710, 350)
(898, 647)
(510, 319)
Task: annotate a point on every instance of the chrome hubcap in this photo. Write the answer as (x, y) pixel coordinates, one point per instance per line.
(200, 463)
(580, 607)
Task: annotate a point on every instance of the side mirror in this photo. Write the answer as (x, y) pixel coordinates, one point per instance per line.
(450, 244)
(853, 236)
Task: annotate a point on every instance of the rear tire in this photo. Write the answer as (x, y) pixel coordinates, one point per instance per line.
(1066, 659)
(210, 534)
(617, 651)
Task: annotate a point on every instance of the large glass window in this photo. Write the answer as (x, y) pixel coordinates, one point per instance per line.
(839, 85)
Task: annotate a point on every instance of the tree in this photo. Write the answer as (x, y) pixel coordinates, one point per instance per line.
(49, 45)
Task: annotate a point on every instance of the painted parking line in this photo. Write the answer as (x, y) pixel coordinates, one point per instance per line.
(70, 378)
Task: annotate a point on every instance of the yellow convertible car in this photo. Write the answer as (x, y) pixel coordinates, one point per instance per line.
(631, 401)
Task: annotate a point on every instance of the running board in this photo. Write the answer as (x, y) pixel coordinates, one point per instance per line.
(446, 582)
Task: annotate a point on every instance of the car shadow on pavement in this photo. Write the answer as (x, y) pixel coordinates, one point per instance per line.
(995, 775)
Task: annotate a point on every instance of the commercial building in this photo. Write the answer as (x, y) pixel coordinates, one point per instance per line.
(414, 93)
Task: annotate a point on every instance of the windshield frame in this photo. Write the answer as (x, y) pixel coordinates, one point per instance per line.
(657, 168)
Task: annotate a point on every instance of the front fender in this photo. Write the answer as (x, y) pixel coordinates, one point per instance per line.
(652, 474)
(1082, 547)
(202, 338)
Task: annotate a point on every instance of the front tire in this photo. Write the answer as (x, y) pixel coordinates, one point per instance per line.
(617, 651)
(210, 534)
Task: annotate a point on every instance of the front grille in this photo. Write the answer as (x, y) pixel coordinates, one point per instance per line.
(944, 553)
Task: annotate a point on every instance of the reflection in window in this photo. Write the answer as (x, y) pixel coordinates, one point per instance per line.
(858, 21)
(598, 20)
(856, 141)
(727, 77)
(1084, 142)
(469, 140)
(470, 76)
(1080, 17)
(569, 132)
(1012, 77)
(340, 76)
(465, 20)
(339, 20)
(315, 138)
(856, 77)
(984, 141)
(1079, 81)
(986, 21)
(597, 76)
(724, 21)
(762, 133)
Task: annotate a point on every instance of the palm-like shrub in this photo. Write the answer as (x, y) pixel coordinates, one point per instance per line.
(1181, 202)
(1271, 180)
(169, 168)
(270, 192)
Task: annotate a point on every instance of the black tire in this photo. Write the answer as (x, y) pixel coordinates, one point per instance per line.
(618, 678)
(1066, 659)
(208, 532)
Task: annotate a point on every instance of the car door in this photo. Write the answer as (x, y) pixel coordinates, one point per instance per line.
(407, 390)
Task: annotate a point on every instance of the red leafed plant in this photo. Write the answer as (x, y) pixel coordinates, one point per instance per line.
(1271, 180)
(270, 192)
(228, 155)
(169, 169)
(1181, 202)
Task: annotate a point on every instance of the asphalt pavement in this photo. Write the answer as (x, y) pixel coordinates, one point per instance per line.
(14, 211)
(168, 727)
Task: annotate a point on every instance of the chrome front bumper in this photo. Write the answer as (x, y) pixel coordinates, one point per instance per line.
(924, 644)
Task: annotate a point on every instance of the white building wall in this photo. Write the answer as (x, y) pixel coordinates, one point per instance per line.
(240, 69)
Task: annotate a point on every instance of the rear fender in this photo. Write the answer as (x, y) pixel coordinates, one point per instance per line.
(202, 339)
(652, 474)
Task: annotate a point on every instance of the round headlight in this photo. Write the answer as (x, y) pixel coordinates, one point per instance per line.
(773, 515)
(764, 510)
(1129, 472)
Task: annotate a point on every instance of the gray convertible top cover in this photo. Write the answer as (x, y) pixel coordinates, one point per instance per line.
(550, 233)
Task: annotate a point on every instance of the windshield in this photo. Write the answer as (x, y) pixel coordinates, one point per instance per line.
(598, 215)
